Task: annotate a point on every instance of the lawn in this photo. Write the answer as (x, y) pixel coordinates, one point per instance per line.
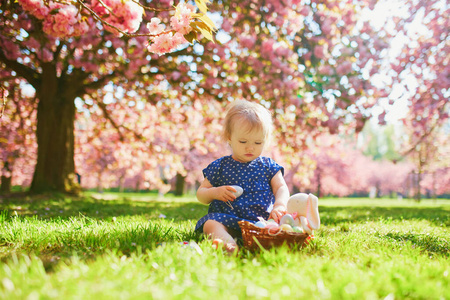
(130, 246)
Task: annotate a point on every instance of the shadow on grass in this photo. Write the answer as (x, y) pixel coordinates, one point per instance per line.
(91, 240)
(95, 226)
(45, 207)
(331, 216)
(429, 243)
(147, 235)
(346, 217)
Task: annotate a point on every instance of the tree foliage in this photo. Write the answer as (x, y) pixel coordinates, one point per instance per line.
(311, 62)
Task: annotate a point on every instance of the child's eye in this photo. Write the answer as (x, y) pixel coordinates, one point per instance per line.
(258, 143)
(242, 142)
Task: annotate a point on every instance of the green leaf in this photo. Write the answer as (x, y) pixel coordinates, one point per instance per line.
(201, 4)
(203, 29)
(208, 22)
(191, 36)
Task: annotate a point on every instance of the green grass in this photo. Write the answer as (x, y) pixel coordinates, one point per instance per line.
(128, 246)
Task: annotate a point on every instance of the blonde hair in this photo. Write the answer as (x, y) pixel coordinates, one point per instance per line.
(254, 116)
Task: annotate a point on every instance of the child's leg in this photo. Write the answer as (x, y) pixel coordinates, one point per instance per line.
(219, 233)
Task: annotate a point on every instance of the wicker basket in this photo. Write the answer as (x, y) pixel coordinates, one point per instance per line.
(254, 237)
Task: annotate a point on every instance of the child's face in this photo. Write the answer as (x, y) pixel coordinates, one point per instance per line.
(246, 144)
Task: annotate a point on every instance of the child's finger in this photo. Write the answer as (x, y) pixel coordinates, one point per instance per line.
(230, 188)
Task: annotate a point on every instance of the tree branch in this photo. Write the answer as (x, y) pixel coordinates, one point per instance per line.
(4, 101)
(100, 19)
(422, 138)
(23, 71)
(117, 126)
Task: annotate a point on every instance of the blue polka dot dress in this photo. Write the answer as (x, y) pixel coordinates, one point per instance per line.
(257, 199)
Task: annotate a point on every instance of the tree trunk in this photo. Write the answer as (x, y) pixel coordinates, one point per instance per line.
(319, 182)
(121, 184)
(377, 186)
(434, 185)
(419, 176)
(99, 183)
(418, 189)
(5, 186)
(179, 185)
(55, 167)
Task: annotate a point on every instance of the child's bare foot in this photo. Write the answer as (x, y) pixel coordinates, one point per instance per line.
(231, 248)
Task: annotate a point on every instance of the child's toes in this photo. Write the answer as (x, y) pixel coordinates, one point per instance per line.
(217, 243)
(231, 248)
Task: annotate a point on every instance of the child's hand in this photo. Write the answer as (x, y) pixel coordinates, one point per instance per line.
(277, 212)
(225, 193)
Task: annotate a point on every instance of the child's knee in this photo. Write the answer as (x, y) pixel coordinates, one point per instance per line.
(211, 226)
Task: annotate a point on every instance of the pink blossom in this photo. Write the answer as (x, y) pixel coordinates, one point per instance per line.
(333, 125)
(296, 24)
(155, 27)
(45, 55)
(35, 7)
(325, 70)
(279, 21)
(10, 49)
(327, 26)
(381, 118)
(282, 51)
(247, 41)
(166, 43)
(180, 22)
(344, 68)
(176, 75)
(319, 51)
(226, 25)
(127, 15)
(305, 11)
(80, 28)
(61, 23)
(267, 48)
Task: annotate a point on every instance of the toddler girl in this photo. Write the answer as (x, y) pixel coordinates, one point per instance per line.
(247, 130)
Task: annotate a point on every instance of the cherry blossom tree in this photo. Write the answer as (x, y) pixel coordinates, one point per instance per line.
(66, 53)
(147, 146)
(310, 61)
(421, 69)
(341, 169)
(17, 135)
(431, 164)
(64, 19)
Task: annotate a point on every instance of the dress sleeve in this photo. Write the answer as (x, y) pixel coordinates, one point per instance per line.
(212, 172)
(272, 167)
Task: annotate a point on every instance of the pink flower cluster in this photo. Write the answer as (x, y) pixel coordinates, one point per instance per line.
(166, 43)
(180, 22)
(124, 14)
(155, 27)
(65, 20)
(35, 7)
(65, 23)
(59, 20)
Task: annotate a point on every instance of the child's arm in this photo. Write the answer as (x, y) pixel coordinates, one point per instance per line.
(207, 193)
(281, 192)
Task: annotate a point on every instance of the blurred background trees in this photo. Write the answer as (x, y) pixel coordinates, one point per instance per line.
(108, 113)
